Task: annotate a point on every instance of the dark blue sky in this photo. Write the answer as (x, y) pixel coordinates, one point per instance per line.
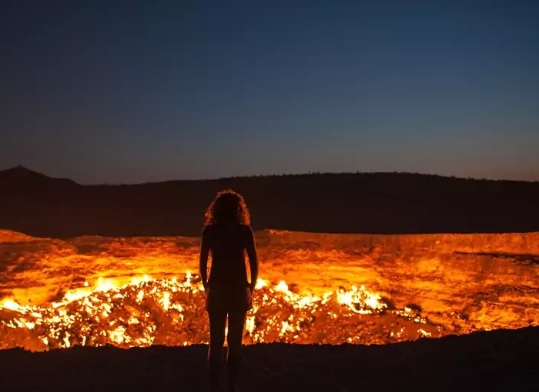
(135, 91)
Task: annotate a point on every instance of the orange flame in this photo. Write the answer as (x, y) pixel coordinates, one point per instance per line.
(147, 311)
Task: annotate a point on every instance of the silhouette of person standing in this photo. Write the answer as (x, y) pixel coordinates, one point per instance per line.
(227, 236)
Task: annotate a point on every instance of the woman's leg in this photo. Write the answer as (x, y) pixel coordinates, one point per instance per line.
(215, 350)
(236, 322)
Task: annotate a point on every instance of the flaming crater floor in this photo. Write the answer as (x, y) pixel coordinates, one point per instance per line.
(458, 282)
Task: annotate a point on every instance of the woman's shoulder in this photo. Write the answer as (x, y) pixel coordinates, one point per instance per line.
(246, 230)
(208, 228)
(215, 227)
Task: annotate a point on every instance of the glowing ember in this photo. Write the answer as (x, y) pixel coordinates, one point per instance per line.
(362, 289)
(169, 312)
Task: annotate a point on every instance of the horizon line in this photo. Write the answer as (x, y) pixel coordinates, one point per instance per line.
(311, 173)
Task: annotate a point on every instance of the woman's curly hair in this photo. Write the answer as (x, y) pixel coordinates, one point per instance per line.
(228, 206)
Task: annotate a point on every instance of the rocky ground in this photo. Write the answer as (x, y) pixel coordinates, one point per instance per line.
(462, 282)
(487, 361)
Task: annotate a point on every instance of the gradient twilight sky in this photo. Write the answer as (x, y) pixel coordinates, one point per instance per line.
(134, 91)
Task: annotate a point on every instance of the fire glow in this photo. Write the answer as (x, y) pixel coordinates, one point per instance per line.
(171, 312)
(315, 289)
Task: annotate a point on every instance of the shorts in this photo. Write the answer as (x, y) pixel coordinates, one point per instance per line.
(228, 299)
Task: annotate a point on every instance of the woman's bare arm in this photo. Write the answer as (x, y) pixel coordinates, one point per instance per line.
(203, 261)
(253, 258)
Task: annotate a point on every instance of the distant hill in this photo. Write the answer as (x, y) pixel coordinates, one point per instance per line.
(38, 205)
(19, 177)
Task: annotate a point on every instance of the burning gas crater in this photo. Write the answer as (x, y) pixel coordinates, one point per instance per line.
(171, 312)
(355, 288)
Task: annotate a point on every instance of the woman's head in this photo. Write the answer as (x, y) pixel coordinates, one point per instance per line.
(228, 207)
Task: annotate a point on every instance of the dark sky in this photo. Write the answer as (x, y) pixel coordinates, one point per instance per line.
(135, 91)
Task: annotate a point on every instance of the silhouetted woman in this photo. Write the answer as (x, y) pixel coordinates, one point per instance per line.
(227, 235)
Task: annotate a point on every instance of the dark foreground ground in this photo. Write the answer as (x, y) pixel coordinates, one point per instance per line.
(487, 361)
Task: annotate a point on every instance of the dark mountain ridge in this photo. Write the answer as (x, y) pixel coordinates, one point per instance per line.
(38, 205)
(20, 177)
